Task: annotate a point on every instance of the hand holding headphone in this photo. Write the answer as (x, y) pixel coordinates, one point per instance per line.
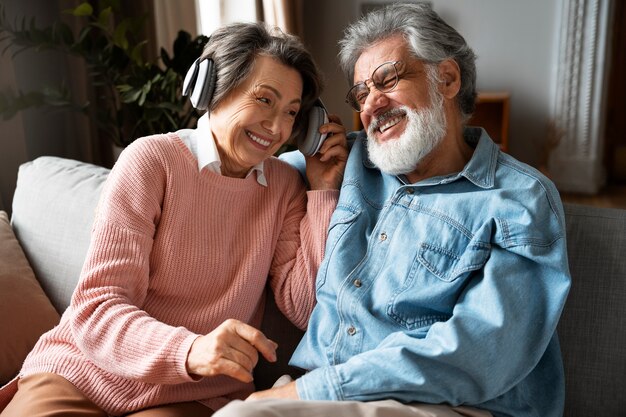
(199, 85)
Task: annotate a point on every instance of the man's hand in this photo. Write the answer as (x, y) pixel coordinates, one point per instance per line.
(287, 392)
(231, 349)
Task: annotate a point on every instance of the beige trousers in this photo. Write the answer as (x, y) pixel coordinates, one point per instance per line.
(387, 408)
(49, 395)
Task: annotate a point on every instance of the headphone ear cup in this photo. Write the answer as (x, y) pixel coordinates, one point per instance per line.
(190, 78)
(199, 83)
(310, 141)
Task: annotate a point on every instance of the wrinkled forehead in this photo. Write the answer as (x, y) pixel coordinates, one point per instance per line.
(393, 48)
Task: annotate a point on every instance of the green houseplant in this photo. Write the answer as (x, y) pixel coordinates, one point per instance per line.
(134, 97)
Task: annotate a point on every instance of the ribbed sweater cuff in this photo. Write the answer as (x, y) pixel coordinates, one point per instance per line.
(183, 352)
(322, 198)
(320, 207)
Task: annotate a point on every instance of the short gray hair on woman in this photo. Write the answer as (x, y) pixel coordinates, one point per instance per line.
(430, 39)
(235, 47)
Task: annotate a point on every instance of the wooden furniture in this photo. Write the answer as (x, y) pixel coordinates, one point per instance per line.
(492, 113)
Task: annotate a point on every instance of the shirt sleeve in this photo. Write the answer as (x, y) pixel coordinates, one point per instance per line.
(511, 305)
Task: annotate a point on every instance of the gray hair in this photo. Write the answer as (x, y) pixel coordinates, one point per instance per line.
(430, 40)
(235, 47)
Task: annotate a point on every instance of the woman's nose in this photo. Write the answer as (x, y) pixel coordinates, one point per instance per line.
(271, 124)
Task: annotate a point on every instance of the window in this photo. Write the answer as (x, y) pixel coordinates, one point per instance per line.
(214, 13)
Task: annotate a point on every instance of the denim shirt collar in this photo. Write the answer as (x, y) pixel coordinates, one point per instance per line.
(480, 169)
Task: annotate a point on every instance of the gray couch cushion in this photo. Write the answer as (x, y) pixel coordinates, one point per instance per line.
(593, 326)
(53, 210)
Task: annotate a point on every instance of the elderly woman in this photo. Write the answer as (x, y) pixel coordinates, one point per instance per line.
(190, 228)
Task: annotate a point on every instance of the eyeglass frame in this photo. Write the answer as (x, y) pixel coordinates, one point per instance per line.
(369, 89)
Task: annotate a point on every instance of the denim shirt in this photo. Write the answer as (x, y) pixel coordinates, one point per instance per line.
(447, 290)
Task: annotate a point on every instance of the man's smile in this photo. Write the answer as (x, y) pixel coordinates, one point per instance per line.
(386, 121)
(390, 123)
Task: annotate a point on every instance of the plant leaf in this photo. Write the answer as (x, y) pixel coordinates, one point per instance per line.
(119, 34)
(105, 17)
(135, 54)
(83, 9)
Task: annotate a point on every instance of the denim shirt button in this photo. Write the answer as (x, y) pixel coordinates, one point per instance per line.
(351, 330)
(410, 190)
(383, 236)
(357, 283)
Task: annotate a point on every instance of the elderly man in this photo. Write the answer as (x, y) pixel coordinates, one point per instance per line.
(446, 268)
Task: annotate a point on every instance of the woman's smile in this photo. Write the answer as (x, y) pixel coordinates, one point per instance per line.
(258, 140)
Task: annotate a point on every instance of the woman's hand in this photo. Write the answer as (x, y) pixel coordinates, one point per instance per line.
(324, 170)
(231, 349)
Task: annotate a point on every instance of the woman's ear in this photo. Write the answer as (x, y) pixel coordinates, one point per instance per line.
(450, 76)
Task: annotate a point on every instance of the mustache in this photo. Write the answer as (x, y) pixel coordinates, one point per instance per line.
(379, 120)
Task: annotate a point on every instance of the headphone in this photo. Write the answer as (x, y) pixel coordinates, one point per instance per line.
(199, 85)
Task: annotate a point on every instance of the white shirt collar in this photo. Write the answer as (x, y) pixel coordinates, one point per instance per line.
(201, 143)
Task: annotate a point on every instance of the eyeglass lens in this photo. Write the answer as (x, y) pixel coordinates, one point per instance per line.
(384, 79)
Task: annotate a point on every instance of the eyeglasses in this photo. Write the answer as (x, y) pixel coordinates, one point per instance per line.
(385, 78)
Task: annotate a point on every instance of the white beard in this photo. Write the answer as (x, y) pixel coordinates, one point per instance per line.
(425, 130)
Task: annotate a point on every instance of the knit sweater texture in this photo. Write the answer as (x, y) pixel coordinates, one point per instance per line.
(174, 253)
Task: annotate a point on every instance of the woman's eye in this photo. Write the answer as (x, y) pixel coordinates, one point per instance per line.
(263, 100)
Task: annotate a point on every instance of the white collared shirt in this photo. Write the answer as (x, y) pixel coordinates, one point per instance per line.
(202, 145)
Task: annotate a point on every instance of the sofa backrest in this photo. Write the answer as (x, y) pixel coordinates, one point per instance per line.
(592, 329)
(53, 210)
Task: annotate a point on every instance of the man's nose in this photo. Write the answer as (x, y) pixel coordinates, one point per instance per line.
(374, 101)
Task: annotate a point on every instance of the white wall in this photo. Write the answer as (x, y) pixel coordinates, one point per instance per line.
(516, 46)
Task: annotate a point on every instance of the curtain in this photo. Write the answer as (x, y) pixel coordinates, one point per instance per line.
(286, 14)
(171, 17)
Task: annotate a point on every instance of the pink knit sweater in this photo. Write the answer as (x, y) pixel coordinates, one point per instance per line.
(175, 252)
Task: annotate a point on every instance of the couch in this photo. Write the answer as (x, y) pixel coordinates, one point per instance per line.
(43, 246)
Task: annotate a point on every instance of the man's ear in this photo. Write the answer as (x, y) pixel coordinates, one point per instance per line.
(450, 76)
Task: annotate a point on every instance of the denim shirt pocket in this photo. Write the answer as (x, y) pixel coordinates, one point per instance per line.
(341, 220)
(447, 265)
(433, 284)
